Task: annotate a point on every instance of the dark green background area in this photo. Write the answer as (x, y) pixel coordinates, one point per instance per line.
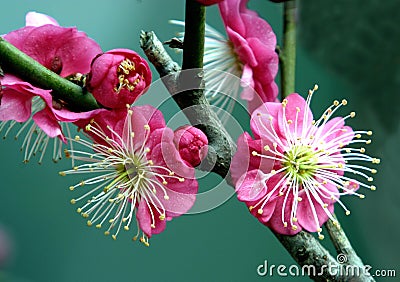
(50, 242)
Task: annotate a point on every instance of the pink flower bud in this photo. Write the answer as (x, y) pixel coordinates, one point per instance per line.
(118, 77)
(209, 2)
(191, 143)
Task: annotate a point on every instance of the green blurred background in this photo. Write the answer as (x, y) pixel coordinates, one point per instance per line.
(349, 49)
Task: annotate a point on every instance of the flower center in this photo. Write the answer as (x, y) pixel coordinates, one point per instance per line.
(127, 79)
(301, 161)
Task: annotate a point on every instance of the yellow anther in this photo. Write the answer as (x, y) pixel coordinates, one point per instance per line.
(89, 223)
(62, 173)
(376, 161)
(254, 153)
(348, 151)
(294, 219)
(369, 133)
(362, 196)
(347, 212)
(147, 127)
(290, 121)
(151, 162)
(260, 211)
(362, 150)
(134, 238)
(88, 127)
(162, 217)
(299, 199)
(77, 138)
(280, 194)
(181, 179)
(165, 182)
(78, 210)
(315, 87)
(325, 205)
(294, 227)
(171, 173)
(114, 237)
(344, 102)
(130, 112)
(85, 215)
(357, 136)
(152, 226)
(368, 141)
(321, 237)
(147, 150)
(370, 179)
(285, 224)
(298, 109)
(319, 229)
(166, 197)
(251, 208)
(373, 188)
(107, 233)
(73, 201)
(266, 148)
(132, 134)
(352, 114)
(126, 227)
(373, 171)
(336, 103)
(71, 188)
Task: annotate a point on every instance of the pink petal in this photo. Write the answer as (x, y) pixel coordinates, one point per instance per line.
(230, 13)
(144, 218)
(260, 123)
(257, 27)
(304, 116)
(305, 215)
(244, 161)
(251, 186)
(48, 124)
(15, 105)
(275, 222)
(38, 19)
(242, 48)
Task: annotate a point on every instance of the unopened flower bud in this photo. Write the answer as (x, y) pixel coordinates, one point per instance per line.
(191, 143)
(118, 77)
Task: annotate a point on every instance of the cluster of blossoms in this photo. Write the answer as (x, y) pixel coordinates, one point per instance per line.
(290, 173)
(143, 170)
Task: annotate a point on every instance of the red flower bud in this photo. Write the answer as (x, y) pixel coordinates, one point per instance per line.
(118, 77)
(191, 143)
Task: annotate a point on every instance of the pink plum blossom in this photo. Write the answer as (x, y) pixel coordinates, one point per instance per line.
(293, 171)
(253, 42)
(247, 58)
(118, 77)
(209, 2)
(138, 173)
(65, 51)
(191, 143)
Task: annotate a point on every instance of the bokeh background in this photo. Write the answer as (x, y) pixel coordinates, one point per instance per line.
(350, 48)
